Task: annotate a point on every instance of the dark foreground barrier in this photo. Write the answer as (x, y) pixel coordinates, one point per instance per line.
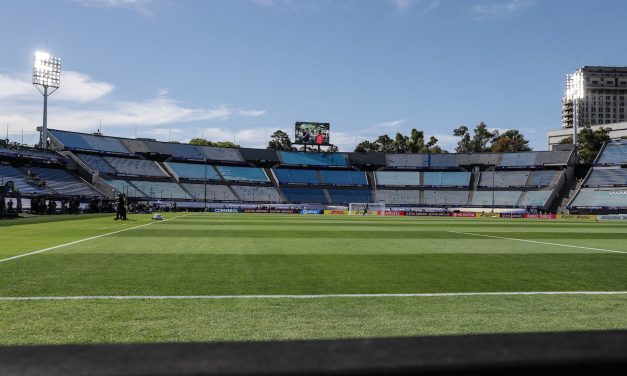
(596, 352)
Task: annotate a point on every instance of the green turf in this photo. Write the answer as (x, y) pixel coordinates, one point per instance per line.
(241, 254)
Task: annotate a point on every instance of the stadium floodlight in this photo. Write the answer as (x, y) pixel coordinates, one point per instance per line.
(47, 79)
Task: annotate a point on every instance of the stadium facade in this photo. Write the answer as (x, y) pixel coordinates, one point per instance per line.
(92, 165)
(96, 166)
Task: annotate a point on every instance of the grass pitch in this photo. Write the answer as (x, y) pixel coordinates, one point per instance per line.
(202, 255)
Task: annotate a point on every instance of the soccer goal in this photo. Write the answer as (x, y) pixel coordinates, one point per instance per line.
(366, 208)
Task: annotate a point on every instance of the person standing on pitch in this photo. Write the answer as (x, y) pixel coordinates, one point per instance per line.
(120, 212)
(365, 210)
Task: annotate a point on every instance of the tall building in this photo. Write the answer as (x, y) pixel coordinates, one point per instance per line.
(599, 94)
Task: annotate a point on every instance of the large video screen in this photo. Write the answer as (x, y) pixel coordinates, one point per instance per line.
(308, 133)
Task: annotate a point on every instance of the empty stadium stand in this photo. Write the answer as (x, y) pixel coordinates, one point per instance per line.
(214, 192)
(97, 163)
(614, 153)
(304, 195)
(257, 194)
(193, 171)
(147, 169)
(343, 177)
(65, 183)
(346, 196)
(313, 159)
(135, 167)
(604, 188)
(297, 176)
(248, 174)
(23, 183)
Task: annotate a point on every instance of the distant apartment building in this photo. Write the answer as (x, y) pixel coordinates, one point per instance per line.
(594, 96)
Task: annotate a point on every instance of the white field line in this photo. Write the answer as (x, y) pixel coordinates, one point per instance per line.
(538, 242)
(81, 240)
(313, 296)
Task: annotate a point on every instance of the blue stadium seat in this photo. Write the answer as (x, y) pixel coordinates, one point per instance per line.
(257, 194)
(295, 176)
(614, 153)
(135, 167)
(600, 198)
(397, 178)
(65, 182)
(97, 163)
(607, 177)
(161, 190)
(446, 179)
(313, 159)
(193, 171)
(236, 173)
(397, 197)
(8, 173)
(214, 192)
(344, 177)
(305, 195)
(346, 196)
(535, 199)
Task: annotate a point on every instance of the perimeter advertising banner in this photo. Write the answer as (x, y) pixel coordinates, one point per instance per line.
(464, 214)
(426, 214)
(266, 210)
(308, 133)
(577, 217)
(612, 217)
(310, 211)
(336, 212)
(224, 210)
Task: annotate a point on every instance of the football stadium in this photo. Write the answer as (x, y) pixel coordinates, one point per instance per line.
(269, 245)
(226, 248)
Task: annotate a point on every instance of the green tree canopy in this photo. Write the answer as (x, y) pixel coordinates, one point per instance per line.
(221, 144)
(280, 141)
(510, 141)
(414, 143)
(589, 143)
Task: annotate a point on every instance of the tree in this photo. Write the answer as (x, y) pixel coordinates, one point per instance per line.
(414, 143)
(589, 143)
(333, 149)
(483, 137)
(510, 141)
(465, 145)
(483, 140)
(220, 144)
(367, 147)
(280, 141)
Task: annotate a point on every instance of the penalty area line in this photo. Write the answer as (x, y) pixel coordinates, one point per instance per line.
(82, 240)
(312, 296)
(537, 242)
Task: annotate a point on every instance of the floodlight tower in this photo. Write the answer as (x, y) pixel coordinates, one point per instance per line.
(47, 79)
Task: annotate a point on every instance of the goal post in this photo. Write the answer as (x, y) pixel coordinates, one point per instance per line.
(366, 208)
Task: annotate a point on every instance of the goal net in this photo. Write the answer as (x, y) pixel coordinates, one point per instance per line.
(366, 208)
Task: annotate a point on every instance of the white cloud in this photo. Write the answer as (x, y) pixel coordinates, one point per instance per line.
(425, 6)
(391, 123)
(82, 103)
(76, 87)
(15, 86)
(141, 6)
(251, 113)
(79, 87)
(499, 8)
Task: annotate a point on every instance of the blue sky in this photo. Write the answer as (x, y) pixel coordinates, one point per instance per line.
(239, 69)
